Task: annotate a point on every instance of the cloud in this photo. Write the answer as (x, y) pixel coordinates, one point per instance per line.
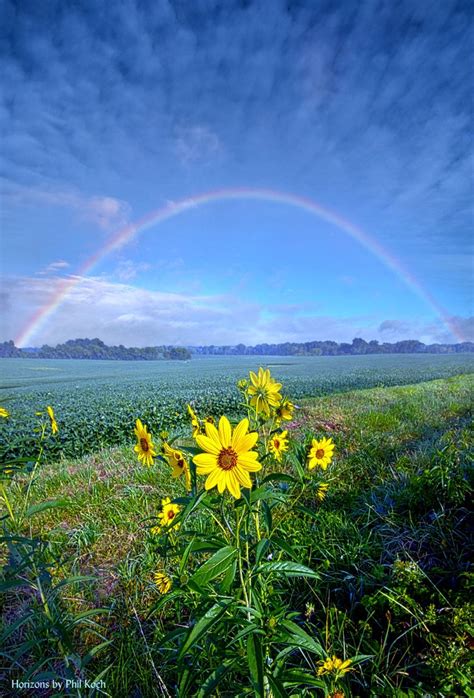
(196, 145)
(123, 314)
(54, 267)
(104, 212)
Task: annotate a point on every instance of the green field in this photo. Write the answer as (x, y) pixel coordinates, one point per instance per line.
(389, 547)
(97, 402)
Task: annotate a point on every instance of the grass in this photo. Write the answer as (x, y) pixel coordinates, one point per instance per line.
(391, 543)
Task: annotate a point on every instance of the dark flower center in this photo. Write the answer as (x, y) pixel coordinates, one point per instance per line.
(144, 444)
(227, 459)
(320, 453)
(171, 514)
(276, 443)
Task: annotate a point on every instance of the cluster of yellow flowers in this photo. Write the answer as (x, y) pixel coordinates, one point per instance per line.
(228, 456)
(336, 666)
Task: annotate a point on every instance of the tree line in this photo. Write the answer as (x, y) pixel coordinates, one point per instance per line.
(95, 349)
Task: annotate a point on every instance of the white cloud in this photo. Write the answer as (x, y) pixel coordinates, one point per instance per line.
(196, 144)
(54, 267)
(105, 212)
(123, 314)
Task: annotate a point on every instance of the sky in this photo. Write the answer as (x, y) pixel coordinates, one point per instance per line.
(111, 112)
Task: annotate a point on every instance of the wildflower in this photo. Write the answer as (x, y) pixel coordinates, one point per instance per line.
(178, 462)
(335, 666)
(321, 453)
(194, 421)
(210, 420)
(242, 384)
(155, 530)
(278, 444)
(168, 513)
(54, 424)
(264, 392)
(145, 448)
(4, 413)
(284, 411)
(322, 491)
(163, 582)
(228, 458)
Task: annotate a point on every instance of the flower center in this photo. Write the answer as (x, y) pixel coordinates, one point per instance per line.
(144, 445)
(320, 453)
(227, 459)
(171, 514)
(276, 443)
(180, 463)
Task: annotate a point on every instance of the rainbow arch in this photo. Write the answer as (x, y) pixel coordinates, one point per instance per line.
(172, 209)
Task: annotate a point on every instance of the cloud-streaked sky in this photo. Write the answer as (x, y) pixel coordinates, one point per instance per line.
(110, 110)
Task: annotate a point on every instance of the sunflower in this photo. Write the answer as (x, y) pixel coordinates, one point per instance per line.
(278, 444)
(54, 424)
(228, 458)
(321, 453)
(335, 666)
(322, 491)
(264, 392)
(4, 413)
(145, 448)
(168, 513)
(284, 411)
(196, 424)
(178, 462)
(162, 581)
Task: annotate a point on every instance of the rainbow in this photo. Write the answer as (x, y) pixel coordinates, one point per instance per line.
(172, 209)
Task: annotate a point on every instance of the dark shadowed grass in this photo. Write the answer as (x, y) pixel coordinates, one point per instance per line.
(391, 543)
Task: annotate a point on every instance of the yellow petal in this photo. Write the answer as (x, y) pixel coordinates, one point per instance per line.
(225, 432)
(213, 434)
(205, 462)
(233, 484)
(243, 477)
(208, 444)
(249, 463)
(214, 478)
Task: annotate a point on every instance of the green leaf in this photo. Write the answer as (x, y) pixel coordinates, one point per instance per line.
(214, 679)
(262, 548)
(278, 689)
(287, 569)
(298, 677)
(299, 637)
(283, 545)
(43, 506)
(278, 477)
(212, 568)
(206, 622)
(166, 598)
(229, 578)
(255, 662)
(267, 516)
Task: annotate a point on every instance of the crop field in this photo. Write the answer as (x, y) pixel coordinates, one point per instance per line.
(316, 543)
(97, 402)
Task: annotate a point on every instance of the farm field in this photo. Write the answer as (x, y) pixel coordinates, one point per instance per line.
(360, 587)
(97, 402)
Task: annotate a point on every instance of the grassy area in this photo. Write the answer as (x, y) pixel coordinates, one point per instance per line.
(390, 542)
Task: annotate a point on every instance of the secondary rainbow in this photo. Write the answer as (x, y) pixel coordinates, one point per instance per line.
(176, 208)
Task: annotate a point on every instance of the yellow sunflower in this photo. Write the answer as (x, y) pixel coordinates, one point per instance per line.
(278, 444)
(196, 424)
(4, 413)
(322, 491)
(178, 463)
(54, 424)
(321, 453)
(335, 666)
(284, 411)
(168, 513)
(264, 392)
(145, 448)
(163, 582)
(228, 458)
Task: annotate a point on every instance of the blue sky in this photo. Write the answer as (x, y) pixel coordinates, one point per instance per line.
(110, 110)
